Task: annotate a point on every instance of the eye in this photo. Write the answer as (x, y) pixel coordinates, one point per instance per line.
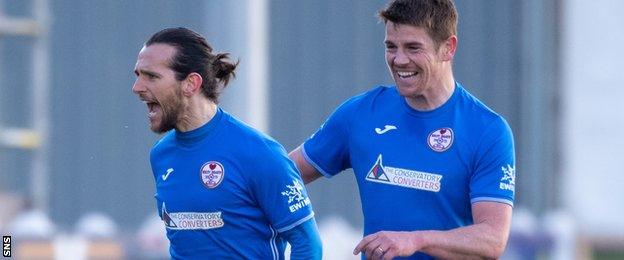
(414, 48)
(151, 76)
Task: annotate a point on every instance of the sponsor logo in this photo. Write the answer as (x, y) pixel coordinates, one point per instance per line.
(440, 140)
(377, 173)
(6, 246)
(404, 177)
(191, 220)
(296, 199)
(508, 181)
(166, 175)
(212, 174)
(387, 128)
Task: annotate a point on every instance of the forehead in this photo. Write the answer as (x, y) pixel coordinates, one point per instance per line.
(155, 56)
(406, 33)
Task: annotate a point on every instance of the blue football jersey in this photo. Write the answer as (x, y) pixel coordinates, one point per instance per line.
(226, 191)
(417, 170)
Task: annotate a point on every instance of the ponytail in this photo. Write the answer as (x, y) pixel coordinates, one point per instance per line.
(224, 68)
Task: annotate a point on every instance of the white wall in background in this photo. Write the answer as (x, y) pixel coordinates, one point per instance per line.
(593, 115)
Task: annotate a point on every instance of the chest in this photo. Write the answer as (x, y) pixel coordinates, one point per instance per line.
(418, 153)
(191, 183)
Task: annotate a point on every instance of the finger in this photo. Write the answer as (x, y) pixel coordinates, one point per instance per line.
(390, 254)
(373, 249)
(378, 253)
(367, 253)
(363, 243)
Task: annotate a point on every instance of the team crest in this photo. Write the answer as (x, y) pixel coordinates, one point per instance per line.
(212, 174)
(441, 140)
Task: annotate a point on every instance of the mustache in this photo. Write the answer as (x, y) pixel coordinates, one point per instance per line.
(144, 97)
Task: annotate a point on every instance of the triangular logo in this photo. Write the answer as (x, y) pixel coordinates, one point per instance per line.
(377, 171)
(165, 217)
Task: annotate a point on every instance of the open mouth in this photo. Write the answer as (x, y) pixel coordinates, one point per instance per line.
(406, 74)
(152, 108)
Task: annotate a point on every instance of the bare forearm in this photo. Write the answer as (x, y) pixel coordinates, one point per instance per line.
(486, 239)
(479, 241)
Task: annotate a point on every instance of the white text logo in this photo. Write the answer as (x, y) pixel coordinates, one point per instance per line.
(508, 182)
(191, 220)
(296, 198)
(404, 177)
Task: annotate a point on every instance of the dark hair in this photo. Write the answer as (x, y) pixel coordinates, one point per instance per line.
(194, 54)
(438, 17)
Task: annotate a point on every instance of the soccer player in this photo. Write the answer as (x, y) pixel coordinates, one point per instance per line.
(434, 165)
(223, 189)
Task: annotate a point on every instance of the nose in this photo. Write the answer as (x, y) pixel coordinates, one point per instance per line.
(137, 87)
(400, 58)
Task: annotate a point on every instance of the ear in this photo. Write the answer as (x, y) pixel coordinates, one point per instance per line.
(448, 48)
(192, 84)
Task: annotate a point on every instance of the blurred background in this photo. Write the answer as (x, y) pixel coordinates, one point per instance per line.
(75, 181)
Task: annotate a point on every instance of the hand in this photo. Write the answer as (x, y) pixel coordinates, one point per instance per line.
(388, 244)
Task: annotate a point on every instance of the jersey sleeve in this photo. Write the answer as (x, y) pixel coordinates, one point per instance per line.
(305, 241)
(328, 149)
(279, 190)
(494, 176)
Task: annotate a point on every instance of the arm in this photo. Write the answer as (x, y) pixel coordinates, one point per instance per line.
(486, 238)
(304, 240)
(307, 171)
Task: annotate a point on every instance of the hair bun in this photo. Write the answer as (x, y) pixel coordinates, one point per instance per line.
(224, 68)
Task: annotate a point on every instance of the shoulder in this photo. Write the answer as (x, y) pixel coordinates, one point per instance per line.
(368, 99)
(262, 155)
(478, 113)
(250, 140)
(482, 121)
(374, 94)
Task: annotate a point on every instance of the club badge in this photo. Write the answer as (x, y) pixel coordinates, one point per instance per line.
(441, 140)
(212, 173)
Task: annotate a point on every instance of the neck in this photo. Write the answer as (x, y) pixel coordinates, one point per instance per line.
(198, 111)
(434, 96)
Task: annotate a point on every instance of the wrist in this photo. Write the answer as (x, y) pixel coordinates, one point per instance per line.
(422, 239)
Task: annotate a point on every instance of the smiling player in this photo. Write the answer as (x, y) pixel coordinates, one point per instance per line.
(434, 165)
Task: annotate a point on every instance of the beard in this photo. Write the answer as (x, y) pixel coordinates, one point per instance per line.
(171, 110)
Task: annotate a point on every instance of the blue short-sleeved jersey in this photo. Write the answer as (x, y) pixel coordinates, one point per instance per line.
(417, 170)
(226, 191)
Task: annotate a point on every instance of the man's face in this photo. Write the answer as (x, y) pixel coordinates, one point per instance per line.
(157, 87)
(413, 59)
